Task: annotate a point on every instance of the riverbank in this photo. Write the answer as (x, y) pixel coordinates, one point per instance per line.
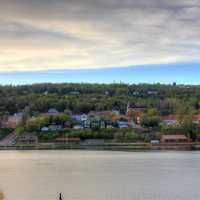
(107, 146)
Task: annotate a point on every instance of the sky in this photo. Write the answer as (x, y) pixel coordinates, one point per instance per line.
(86, 38)
(164, 73)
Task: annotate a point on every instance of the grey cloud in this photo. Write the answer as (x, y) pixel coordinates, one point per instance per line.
(135, 31)
(23, 30)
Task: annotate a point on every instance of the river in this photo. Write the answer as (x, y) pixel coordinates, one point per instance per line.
(100, 175)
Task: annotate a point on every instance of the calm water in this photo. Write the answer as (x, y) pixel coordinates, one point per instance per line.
(90, 175)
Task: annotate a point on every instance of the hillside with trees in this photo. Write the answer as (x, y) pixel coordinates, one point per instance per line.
(82, 98)
(178, 101)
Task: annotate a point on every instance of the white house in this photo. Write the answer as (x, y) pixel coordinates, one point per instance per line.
(52, 111)
(123, 124)
(84, 117)
(170, 122)
(80, 118)
(78, 127)
(44, 129)
(54, 127)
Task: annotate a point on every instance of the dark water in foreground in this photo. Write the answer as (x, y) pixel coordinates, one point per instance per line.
(101, 175)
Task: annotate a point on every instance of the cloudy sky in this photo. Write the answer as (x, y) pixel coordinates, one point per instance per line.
(79, 34)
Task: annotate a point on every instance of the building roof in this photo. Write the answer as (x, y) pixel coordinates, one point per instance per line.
(120, 118)
(197, 117)
(28, 135)
(174, 137)
(170, 117)
(52, 110)
(101, 113)
(137, 106)
(63, 139)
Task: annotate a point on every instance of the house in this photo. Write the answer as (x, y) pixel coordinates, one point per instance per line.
(78, 127)
(67, 124)
(115, 112)
(45, 129)
(135, 111)
(196, 119)
(122, 124)
(109, 126)
(52, 127)
(76, 118)
(28, 138)
(136, 108)
(80, 118)
(155, 141)
(46, 92)
(138, 119)
(170, 120)
(95, 124)
(198, 138)
(13, 120)
(152, 92)
(55, 127)
(177, 138)
(86, 124)
(84, 117)
(52, 111)
(102, 124)
(94, 141)
(106, 93)
(135, 93)
(4, 121)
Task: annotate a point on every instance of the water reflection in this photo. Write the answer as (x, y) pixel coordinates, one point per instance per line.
(101, 175)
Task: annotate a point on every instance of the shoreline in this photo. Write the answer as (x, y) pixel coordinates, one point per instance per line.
(108, 147)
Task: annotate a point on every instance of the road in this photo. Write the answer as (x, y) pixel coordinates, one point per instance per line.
(8, 140)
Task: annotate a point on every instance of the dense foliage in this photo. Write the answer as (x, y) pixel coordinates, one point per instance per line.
(4, 132)
(106, 134)
(82, 98)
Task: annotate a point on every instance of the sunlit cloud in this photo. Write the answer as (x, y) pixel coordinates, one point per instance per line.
(78, 34)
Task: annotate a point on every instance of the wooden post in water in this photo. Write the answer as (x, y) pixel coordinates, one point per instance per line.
(60, 196)
(1, 196)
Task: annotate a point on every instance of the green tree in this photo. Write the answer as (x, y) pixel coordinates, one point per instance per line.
(189, 127)
(150, 121)
(152, 112)
(20, 129)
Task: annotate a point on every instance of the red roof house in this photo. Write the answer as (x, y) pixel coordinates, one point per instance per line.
(178, 138)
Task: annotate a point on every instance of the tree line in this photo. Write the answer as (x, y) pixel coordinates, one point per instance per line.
(82, 98)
